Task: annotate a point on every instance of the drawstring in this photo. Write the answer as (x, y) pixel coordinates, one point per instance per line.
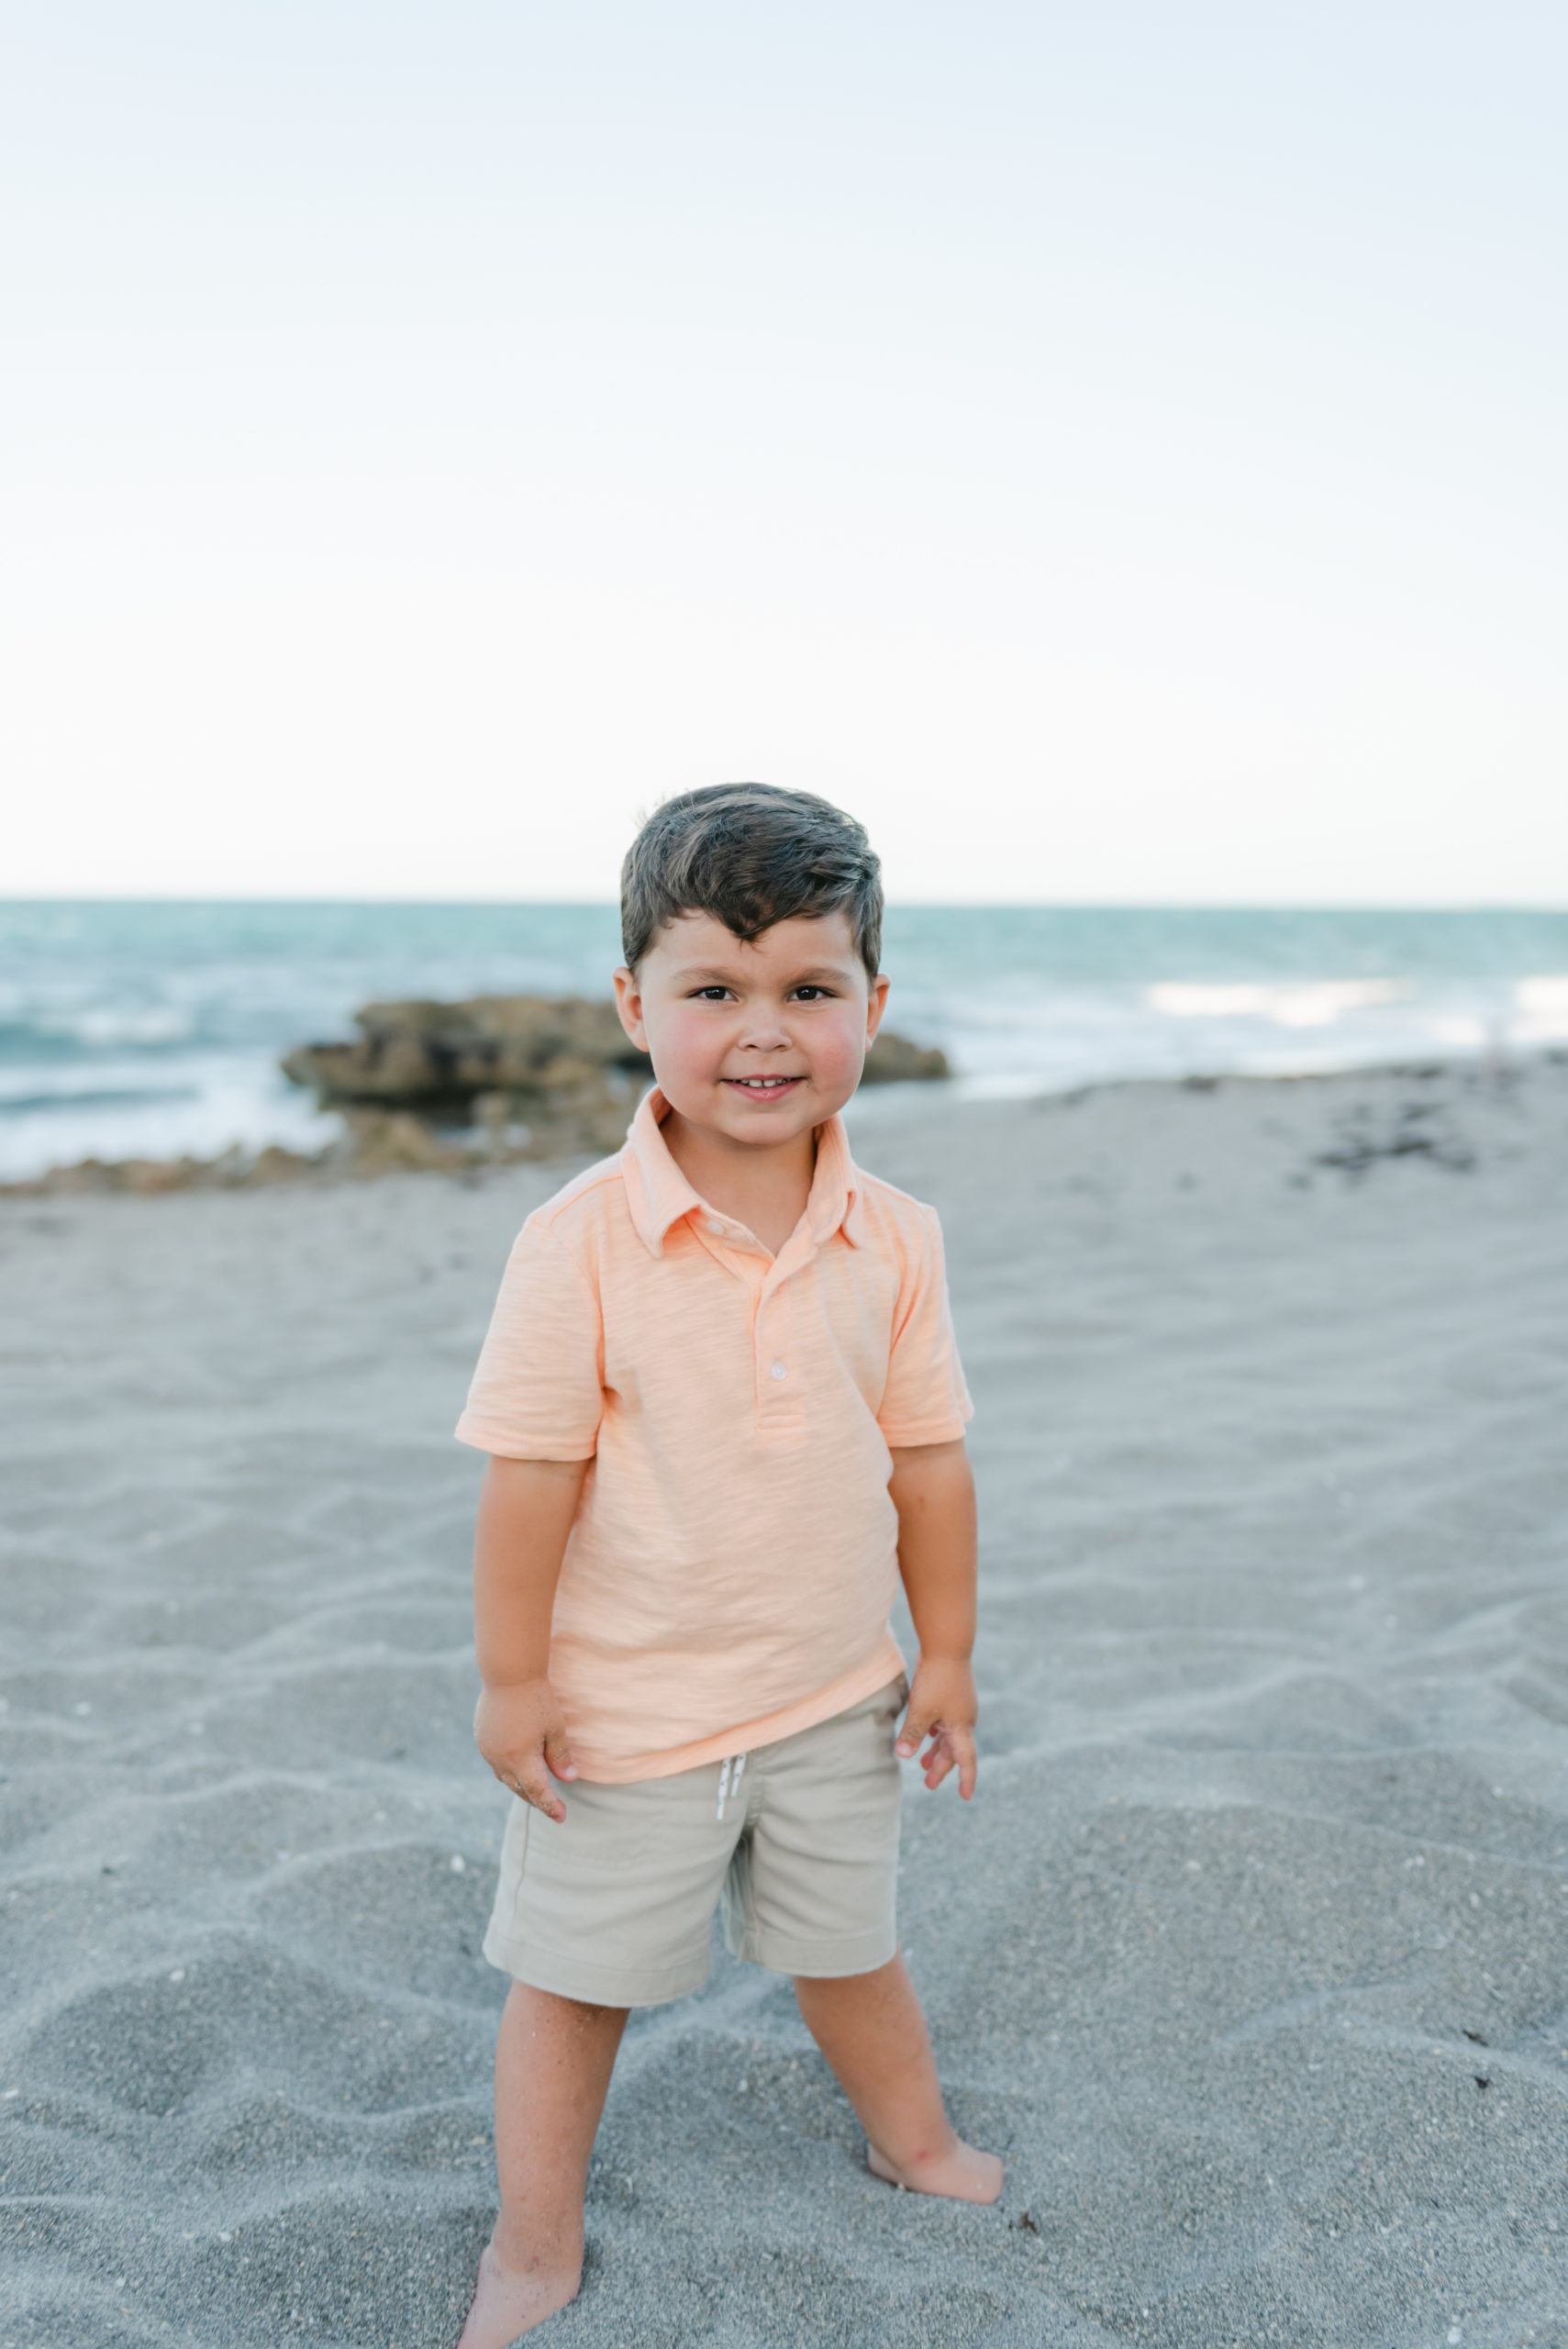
(729, 1780)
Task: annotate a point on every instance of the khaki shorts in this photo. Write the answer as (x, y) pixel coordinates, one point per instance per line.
(798, 1839)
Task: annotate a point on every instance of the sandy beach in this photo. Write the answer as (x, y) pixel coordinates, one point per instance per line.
(1250, 1955)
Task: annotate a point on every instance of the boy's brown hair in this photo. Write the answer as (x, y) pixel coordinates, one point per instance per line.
(751, 855)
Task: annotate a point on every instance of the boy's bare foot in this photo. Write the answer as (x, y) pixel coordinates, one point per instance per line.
(507, 2305)
(960, 2173)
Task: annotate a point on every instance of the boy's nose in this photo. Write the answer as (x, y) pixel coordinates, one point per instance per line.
(764, 1034)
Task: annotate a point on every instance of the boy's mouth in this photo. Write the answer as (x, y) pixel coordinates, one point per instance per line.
(768, 1087)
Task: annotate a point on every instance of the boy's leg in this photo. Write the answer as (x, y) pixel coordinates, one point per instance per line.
(553, 2060)
(871, 2029)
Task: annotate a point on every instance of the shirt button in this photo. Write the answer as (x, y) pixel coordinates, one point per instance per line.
(716, 1227)
(779, 1371)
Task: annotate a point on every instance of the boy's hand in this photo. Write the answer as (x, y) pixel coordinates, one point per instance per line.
(519, 1731)
(942, 1708)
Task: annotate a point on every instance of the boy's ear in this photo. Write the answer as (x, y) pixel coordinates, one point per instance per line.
(876, 1004)
(628, 1003)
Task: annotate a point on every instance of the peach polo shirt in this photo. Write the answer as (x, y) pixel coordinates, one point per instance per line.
(731, 1571)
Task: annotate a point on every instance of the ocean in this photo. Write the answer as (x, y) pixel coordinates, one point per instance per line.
(138, 1030)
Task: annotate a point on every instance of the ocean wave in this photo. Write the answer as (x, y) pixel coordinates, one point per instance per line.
(1542, 1011)
(31, 1031)
(1288, 1003)
(79, 1102)
(103, 1028)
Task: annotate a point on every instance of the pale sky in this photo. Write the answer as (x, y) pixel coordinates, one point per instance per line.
(1119, 452)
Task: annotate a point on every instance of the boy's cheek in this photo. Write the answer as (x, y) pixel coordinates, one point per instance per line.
(686, 1053)
(836, 1056)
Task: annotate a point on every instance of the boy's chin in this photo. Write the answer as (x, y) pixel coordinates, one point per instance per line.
(775, 1124)
(771, 1121)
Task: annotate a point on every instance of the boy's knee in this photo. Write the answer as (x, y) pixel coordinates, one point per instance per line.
(549, 2007)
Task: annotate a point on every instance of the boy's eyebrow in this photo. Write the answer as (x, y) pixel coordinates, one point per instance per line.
(716, 974)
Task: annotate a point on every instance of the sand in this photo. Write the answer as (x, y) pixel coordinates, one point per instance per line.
(1249, 1953)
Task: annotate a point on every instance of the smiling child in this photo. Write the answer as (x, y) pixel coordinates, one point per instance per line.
(725, 1416)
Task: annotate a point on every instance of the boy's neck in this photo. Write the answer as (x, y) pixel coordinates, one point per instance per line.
(764, 1186)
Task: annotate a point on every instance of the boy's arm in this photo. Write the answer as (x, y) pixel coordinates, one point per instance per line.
(526, 1508)
(933, 1492)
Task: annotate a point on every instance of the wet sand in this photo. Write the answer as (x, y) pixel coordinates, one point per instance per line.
(1250, 1953)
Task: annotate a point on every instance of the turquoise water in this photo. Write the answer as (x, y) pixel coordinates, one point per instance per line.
(134, 1029)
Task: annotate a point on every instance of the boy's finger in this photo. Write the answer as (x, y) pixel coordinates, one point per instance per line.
(916, 1725)
(531, 1781)
(558, 1754)
(960, 1756)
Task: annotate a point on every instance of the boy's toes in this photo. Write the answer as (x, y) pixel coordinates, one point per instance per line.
(971, 2177)
(963, 2174)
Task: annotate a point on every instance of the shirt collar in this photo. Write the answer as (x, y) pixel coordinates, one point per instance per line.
(659, 1194)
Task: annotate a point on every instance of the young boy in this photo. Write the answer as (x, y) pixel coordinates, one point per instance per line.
(724, 1411)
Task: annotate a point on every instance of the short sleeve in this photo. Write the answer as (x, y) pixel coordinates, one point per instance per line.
(925, 1400)
(537, 1393)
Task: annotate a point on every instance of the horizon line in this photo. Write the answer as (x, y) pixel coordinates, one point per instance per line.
(920, 904)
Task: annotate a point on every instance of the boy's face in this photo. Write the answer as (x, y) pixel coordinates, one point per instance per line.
(754, 1043)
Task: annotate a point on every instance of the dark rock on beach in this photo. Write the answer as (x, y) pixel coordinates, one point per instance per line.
(894, 1060)
(436, 1058)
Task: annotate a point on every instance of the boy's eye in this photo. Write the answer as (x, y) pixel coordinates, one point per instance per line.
(809, 991)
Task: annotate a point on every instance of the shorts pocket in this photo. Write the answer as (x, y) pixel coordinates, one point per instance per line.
(888, 1703)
